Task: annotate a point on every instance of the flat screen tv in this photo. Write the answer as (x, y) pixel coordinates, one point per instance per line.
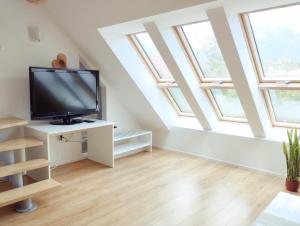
(63, 94)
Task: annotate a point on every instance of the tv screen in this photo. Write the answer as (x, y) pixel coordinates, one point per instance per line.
(59, 93)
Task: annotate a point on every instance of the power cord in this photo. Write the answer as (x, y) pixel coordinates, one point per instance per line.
(63, 138)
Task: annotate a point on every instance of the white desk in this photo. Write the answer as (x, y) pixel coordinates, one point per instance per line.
(284, 210)
(100, 142)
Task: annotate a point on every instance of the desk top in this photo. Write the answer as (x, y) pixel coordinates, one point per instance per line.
(283, 210)
(59, 129)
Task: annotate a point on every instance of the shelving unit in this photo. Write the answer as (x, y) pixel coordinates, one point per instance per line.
(131, 142)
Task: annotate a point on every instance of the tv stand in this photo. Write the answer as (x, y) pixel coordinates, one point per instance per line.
(66, 121)
(100, 143)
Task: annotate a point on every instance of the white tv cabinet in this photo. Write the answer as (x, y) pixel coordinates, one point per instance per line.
(100, 142)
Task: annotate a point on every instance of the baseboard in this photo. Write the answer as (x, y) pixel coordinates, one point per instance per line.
(219, 160)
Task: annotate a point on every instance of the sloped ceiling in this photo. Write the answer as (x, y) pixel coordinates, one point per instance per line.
(80, 20)
(104, 13)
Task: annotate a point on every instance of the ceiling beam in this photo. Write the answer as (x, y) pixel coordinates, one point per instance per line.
(189, 85)
(229, 35)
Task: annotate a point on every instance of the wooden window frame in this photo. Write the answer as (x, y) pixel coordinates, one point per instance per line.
(267, 83)
(174, 103)
(217, 108)
(146, 59)
(163, 84)
(266, 95)
(248, 31)
(192, 57)
(205, 83)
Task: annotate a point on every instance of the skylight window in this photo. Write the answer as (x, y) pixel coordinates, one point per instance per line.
(205, 49)
(276, 33)
(286, 105)
(205, 56)
(179, 99)
(274, 40)
(153, 56)
(158, 68)
(228, 103)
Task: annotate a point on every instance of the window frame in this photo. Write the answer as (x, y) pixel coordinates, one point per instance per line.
(191, 55)
(163, 84)
(146, 59)
(174, 103)
(269, 104)
(217, 107)
(252, 45)
(205, 83)
(267, 83)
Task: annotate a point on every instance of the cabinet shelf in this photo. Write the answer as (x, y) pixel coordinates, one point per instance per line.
(129, 148)
(131, 142)
(130, 134)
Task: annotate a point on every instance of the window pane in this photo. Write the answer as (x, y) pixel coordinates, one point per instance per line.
(286, 105)
(153, 55)
(277, 36)
(206, 50)
(180, 100)
(228, 102)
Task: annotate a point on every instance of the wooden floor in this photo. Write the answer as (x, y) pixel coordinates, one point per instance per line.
(158, 188)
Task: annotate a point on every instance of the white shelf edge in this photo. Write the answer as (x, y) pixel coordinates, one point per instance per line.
(130, 148)
(131, 135)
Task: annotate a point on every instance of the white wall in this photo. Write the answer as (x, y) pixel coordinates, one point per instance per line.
(19, 53)
(255, 153)
(117, 113)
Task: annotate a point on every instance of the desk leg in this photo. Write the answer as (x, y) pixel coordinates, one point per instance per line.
(101, 145)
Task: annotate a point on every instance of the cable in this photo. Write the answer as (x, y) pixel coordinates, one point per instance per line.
(63, 138)
(56, 156)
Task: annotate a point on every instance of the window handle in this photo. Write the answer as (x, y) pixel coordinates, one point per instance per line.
(284, 82)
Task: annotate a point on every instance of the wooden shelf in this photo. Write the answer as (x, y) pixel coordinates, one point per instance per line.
(19, 143)
(20, 167)
(129, 148)
(11, 122)
(130, 134)
(28, 191)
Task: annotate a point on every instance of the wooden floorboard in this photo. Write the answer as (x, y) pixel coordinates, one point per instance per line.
(158, 188)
